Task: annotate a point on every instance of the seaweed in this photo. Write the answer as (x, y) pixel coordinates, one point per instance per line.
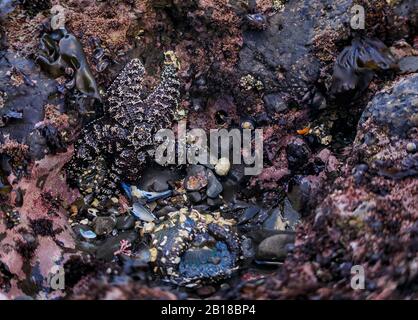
(357, 64)
(62, 54)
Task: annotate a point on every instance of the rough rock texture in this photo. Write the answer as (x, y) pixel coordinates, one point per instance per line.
(265, 64)
(371, 222)
(34, 234)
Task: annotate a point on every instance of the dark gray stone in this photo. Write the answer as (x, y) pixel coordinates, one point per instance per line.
(104, 225)
(125, 222)
(408, 64)
(274, 247)
(214, 188)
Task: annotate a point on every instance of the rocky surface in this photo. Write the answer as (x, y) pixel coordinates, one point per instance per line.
(338, 109)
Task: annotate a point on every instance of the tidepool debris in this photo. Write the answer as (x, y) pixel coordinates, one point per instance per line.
(142, 213)
(146, 196)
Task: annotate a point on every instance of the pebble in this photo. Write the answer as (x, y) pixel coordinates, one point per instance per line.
(214, 202)
(275, 103)
(411, 147)
(125, 223)
(194, 197)
(298, 154)
(274, 247)
(214, 186)
(165, 210)
(408, 64)
(87, 246)
(104, 225)
(222, 167)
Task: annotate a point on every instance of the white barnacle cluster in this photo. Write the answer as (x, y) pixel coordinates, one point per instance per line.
(175, 235)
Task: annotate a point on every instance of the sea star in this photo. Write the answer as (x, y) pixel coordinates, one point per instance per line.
(115, 148)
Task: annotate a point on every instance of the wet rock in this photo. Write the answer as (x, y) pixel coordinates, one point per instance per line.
(10, 116)
(157, 179)
(214, 203)
(196, 178)
(359, 172)
(275, 221)
(275, 103)
(5, 187)
(186, 249)
(125, 222)
(106, 250)
(301, 191)
(6, 7)
(104, 225)
(247, 248)
(214, 188)
(395, 109)
(274, 247)
(33, 7)
(194, 197)
(408, 64)
(281, 56)
(45, 140)
(87, 246)
(291, 216)
(164, 211)
(205, 291)
(249, 214)
(27, 90)
(298, 154)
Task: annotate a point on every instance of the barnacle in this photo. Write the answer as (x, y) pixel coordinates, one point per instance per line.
(114, 148)
(356, 65)
(193, 248)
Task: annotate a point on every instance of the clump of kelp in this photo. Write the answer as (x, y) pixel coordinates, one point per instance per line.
(62, 55)
(357, 64)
